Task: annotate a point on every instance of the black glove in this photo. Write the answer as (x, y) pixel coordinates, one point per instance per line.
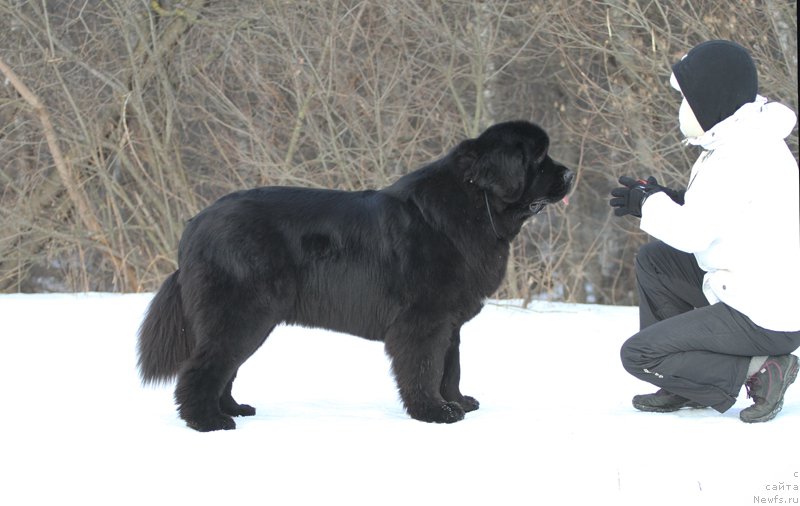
(675, 195)
(629, 198)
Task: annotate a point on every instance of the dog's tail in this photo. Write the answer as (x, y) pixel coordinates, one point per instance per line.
(164, 341)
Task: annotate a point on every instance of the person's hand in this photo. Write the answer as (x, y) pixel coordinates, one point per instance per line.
(629, 198)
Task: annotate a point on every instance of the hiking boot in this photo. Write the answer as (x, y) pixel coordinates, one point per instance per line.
(663, 402)
(767, 388)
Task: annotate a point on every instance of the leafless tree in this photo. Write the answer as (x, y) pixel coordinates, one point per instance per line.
(121, 119)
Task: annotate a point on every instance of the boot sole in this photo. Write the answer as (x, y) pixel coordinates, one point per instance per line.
(666, 409)
(791, 375)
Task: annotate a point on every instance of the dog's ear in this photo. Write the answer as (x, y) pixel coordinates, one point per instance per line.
(540, 149)
(501, 171)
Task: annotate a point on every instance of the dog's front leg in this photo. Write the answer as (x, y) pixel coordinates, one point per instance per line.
(452, 375)
(418, 357)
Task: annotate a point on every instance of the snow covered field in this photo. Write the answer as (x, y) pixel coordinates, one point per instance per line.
(555, 424)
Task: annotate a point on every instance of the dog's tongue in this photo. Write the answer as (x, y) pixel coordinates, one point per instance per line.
(565, 200)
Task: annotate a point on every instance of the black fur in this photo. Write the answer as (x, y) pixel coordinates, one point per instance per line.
(406, 265)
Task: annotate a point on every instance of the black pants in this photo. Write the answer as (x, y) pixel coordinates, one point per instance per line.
(686, 346)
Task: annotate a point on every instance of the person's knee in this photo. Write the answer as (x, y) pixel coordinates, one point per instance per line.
(646, 258)
(632, 355)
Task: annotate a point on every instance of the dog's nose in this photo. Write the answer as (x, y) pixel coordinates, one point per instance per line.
(569, 177)
(569, 180)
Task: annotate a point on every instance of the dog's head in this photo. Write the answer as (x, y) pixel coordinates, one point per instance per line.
(509, 162)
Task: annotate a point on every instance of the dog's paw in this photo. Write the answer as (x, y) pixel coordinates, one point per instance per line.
(469, 403)
(444, 412)
(451, 412)
(239, 410)
(212, 423)
(245, 410)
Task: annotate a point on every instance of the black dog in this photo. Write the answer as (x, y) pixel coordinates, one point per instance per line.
(406, 265)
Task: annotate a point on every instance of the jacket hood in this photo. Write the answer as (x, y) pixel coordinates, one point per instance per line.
(717, 78)
(759, 118)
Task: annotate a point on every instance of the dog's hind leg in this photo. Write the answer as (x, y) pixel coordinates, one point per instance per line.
(200, 385)
(418, 358)
(229, 406)
(203, 393)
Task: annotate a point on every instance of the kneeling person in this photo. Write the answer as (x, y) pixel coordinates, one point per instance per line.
(718, 297)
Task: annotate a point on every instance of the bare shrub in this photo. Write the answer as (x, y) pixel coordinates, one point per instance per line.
(160, 107)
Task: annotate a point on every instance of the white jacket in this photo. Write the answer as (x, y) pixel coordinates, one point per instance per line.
(741, 217)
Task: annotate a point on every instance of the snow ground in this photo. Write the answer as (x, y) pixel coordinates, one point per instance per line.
(555, 424)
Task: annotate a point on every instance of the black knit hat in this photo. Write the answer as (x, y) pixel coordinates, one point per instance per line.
(717, 78)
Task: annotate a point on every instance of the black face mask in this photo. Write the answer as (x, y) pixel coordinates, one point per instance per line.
(717, 78)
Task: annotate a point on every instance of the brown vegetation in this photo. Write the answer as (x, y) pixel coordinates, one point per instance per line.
(121, 119)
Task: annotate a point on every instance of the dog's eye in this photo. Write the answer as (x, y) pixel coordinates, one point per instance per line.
(536, 207)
